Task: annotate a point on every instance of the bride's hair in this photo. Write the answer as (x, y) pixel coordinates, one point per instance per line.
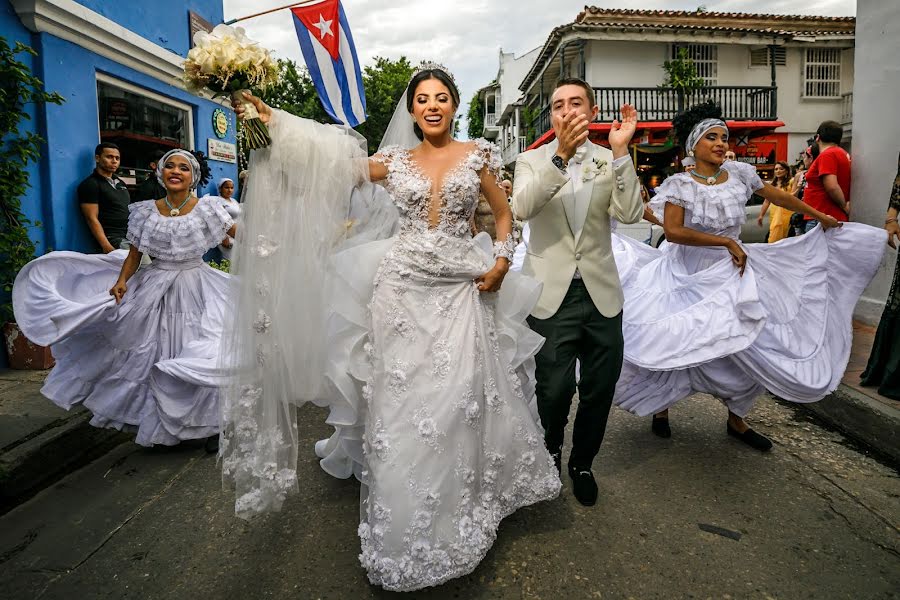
(684, 122)
(421, 76)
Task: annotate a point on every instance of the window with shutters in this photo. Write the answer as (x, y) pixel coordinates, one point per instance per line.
(761, 57)
(706, 59)
(822, 73)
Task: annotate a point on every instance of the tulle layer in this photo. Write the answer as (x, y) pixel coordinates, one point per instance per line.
(147, 365)
(785, 325)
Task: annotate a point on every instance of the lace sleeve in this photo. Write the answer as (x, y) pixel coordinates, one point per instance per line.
(490, 157)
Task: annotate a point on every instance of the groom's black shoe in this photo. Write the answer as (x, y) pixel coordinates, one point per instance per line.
(660, 427)
(583, 485)
(751, 438)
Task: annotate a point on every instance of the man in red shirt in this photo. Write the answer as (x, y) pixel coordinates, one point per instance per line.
(828, 178)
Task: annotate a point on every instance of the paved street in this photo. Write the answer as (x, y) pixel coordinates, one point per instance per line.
(697, 516)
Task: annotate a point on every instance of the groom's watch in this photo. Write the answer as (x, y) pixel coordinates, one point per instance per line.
(558, 161)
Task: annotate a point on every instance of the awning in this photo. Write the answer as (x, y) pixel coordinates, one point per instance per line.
(601, 130)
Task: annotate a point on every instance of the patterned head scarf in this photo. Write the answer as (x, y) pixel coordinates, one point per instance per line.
(698, 132)
(192, 160)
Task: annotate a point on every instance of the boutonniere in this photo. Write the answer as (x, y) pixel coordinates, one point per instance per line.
(593, 168)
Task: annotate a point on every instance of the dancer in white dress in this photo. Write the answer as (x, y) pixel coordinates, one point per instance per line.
(706, 313)
(428, 373)
(143, 355)
(225, 188)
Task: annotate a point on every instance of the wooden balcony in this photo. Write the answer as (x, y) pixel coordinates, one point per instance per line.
(739, 103)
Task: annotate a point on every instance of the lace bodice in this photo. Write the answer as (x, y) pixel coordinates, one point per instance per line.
(710, 208)
(178, 238)
(411, 188)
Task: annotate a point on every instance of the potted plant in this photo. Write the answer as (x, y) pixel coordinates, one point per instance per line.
(17, 150)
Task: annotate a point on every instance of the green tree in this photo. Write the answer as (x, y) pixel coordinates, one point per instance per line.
(384, 82)
(18, 148)
(681, 73)
(294, 93)
(475, 117)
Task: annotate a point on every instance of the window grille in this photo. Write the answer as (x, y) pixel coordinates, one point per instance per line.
(822, 73)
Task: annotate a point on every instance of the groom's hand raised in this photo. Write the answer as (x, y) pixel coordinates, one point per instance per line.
(265, 112)
(571, 131)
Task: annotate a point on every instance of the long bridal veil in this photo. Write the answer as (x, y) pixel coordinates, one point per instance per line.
(301, 207)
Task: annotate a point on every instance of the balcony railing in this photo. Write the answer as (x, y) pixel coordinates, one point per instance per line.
(739, 103)
(847, 108)
(490, 119)
(512, 147)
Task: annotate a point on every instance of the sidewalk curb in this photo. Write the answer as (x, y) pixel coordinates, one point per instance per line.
(862, 418)
(37, 463)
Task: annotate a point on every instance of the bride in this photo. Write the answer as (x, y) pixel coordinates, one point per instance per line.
(422, 357)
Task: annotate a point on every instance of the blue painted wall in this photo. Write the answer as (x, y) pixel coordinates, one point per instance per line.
(163, 22)
(73, 131)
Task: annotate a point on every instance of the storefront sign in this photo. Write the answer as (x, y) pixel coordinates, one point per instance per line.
(222, 151)
(197, 23)
(220, 123)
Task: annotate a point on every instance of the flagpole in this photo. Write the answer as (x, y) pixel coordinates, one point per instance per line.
(271, 10)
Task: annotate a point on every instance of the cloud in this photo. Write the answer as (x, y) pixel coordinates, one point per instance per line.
(467, 35)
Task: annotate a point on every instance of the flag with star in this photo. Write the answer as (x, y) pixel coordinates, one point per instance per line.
(330, 56)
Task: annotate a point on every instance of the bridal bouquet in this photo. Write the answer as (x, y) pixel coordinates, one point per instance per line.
(227, 63)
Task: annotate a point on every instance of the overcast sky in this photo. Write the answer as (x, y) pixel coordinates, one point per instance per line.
(466, 35)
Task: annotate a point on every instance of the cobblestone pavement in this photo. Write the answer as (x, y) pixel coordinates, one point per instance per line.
(697, 516)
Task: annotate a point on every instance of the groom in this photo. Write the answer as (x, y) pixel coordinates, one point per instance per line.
(568, 191)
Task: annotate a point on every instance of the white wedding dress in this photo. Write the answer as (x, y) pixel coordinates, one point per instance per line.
(428, 381)
(149, 364)
(691, 323)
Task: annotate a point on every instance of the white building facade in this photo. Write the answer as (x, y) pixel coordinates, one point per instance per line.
(773, 109)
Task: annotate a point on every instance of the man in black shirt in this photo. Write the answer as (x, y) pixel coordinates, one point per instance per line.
(150, 189)
(104, 199)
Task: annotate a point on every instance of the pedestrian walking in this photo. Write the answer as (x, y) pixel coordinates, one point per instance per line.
(779, 217)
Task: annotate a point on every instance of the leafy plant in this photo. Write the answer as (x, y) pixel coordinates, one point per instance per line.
(681, 73)
(384, 83)
(475, 118)
(18, 87)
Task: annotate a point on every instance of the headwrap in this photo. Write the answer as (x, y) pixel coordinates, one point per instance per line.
(192, 160)
(698, 132)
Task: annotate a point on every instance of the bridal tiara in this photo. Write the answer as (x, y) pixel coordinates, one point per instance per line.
(427, 65)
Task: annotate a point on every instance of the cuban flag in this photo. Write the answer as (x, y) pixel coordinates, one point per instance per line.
(330, 56)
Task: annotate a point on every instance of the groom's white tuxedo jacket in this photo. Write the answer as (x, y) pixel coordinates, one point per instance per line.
(572, 230)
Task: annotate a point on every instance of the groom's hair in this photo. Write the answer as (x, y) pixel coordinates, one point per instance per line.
(592, 100)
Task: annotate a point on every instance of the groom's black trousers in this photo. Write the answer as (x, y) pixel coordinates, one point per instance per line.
(577, 331)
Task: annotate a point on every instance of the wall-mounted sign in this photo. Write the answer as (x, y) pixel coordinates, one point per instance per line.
(197, 23)
(221, 151)
(220, 123)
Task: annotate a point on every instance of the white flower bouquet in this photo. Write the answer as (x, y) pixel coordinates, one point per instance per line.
(228, 63)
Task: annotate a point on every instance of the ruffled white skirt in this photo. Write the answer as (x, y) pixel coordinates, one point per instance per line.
(147, 365)
(433, 404)
(692, 324)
